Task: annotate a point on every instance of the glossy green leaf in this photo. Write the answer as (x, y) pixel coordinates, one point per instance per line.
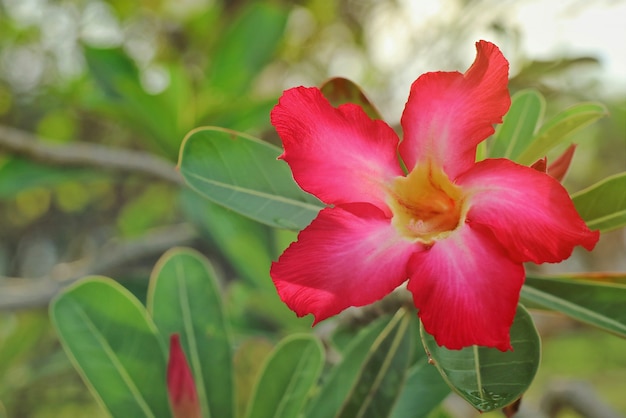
(241, 173)
(340, 90)
(287, 378)
(113, 343)
(342, 378)
(184, 298)
(486, 377)
(423, 391)
(600, 304)
(247, 46)
(558, 129)
(382, 373)
(519, 125)
(603, 205)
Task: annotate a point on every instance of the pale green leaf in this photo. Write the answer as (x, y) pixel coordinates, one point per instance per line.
(603, 205)
(558, 129)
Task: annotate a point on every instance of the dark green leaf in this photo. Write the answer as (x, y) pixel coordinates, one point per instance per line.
(114, 345)
(423, 391)
(343, 376)
(241, 173)
(596, 303)
(486, 377)
(288, 376)
(184, 298)
(519, 125)
(603, 205)
(382, 373)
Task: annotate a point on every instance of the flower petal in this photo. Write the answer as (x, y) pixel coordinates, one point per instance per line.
(448, 114)
(529, 212)
(338, 154)
(466, 289)
(348, 256)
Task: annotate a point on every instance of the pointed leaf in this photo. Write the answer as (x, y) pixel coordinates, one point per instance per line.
(342, 378)
(184, 299)
(340, 90)
(486, 377)
(558, 129)
(241, 173)
(518, 125)
(288, 376)
(598, 304)
(603, 205)
(423, 391)
(246, 47)
(114, 345)
(382, 374)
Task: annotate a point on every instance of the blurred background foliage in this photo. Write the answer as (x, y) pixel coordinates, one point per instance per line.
(136, 76)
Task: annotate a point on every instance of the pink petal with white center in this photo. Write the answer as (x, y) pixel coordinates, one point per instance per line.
(338, 154)
(529, 212)
(466, 289)
(448, 114)
(343, 258)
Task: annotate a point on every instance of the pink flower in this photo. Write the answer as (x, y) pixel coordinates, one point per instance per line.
(181, 387)
(457, 229)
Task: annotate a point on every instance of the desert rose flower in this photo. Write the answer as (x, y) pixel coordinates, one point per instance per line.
(181, 387)
(421, 209)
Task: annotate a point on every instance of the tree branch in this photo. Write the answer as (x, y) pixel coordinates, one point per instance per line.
(82, 154)
(21, 293)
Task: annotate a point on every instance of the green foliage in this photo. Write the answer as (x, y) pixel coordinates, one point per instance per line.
(115, 346)
(599, 304)
(288, 376)
(241, 173)
(603, 205)
(486, 377)
(184, 298)
(519, 125)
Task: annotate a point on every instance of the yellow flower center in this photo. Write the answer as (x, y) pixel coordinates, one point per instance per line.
(426, 205)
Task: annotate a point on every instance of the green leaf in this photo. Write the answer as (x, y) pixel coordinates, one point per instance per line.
(598, 304)
(184, 298)
(423, 391)
(342, 377)
(18, 336)
(340, 90)
(519, 125)
(559, 128)
(486, 377)
(241, 240)
(247, 362)
(603, 205)
(113, 343)
(288, 376)
(241, 173)
(246, 48)
(382, 374)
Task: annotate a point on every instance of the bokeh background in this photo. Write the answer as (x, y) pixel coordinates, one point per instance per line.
(136, 76)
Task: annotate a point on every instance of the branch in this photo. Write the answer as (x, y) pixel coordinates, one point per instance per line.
(20, 293)
(83, 154)
(577, 396)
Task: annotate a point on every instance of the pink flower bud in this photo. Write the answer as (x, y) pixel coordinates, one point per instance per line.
(181, 388)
